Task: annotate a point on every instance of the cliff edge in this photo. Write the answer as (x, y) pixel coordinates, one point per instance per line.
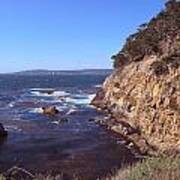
(143, 92)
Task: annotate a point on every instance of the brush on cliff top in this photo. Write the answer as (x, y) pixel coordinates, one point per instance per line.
(152, 37)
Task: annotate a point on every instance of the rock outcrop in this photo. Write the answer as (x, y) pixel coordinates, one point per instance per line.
(52, 110)
(3, 132)
(144, 88)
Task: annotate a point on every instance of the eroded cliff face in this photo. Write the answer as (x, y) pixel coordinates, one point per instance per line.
(144, 89)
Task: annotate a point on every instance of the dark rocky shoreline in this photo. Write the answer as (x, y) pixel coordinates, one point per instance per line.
(132, 138)
(3, 132)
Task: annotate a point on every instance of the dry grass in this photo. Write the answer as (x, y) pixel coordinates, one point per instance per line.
(165, 168)
(2, 177)
(120, 175)
(48, 177)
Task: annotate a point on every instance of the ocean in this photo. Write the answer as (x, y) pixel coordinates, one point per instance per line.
(67, 143)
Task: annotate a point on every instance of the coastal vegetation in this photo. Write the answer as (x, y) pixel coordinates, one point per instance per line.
(166, 168)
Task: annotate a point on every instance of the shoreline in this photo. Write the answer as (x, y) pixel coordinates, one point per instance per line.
(132, 138)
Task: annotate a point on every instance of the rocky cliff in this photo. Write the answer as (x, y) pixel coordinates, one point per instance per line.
(143, 92)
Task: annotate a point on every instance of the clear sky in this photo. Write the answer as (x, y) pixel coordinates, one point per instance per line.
(67, 34)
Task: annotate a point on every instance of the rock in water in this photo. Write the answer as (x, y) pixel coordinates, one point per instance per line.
(144, 89)
(3, 132)
(49, 92)
(50, 110)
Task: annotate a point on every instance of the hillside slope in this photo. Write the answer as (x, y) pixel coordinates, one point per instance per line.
(143, 92)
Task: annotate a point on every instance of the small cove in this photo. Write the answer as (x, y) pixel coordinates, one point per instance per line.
(44, 144)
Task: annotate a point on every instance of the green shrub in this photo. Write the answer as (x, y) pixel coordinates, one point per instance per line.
(146, 41)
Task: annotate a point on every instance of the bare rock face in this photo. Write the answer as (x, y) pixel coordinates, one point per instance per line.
(144, 88)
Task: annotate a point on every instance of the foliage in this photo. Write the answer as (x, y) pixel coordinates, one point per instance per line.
(147, 41)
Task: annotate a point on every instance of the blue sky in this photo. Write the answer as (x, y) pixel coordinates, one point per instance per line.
(67, 34)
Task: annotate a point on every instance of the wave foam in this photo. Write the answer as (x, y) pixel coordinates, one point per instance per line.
(81, 100)
(11, 128)
(48, 93)
(36, 110)
(98, 86)
(11, 104)
(72, 111)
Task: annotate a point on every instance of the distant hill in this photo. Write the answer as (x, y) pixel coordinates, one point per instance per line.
(65, 72)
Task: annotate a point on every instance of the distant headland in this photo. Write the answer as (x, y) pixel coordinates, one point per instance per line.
(63, 72)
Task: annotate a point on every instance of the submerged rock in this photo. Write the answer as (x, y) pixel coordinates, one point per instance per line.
(60, 121)
(3, 132)
(47, 91)
(144, 89)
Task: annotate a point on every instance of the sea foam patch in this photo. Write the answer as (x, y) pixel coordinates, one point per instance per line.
(48, 93)
(98, 86)
(80, 100)
(36, 110)
(12, 128)
(11, 104)
(72, 110)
